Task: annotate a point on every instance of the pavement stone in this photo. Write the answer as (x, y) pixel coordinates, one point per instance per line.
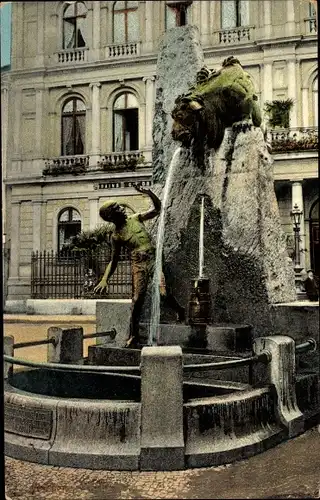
(290, 470)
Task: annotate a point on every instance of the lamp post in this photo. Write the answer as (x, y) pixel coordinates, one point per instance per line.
(296, 214)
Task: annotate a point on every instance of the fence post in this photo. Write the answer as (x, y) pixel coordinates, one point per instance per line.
(68, 345)
(280, 372)
(8, 349)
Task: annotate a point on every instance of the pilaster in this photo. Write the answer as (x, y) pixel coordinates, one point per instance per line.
(150, 98)
(95, 121)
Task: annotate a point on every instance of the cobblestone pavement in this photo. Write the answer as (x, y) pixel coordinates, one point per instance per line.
(290, 470)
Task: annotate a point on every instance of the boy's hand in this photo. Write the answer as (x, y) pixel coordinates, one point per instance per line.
(139, 188)
(101, 286)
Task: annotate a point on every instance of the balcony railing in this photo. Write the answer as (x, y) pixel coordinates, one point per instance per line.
(72, 56)
(293, 139)
(122, 50)
(74, 165)
(235, 35)
(121, 161)
(311, 26)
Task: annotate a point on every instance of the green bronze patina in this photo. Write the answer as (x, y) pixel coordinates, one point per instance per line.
(219, 100)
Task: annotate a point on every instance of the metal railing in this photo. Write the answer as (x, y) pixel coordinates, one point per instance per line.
(265, 358)
(74, 274)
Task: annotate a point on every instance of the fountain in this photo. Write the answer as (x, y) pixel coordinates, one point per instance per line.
(224, 386)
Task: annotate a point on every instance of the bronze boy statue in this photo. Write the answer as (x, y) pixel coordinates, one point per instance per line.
(130, 232)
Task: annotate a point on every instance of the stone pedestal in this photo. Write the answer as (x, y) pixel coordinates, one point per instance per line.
(68, 346)
(281, 372)
(162, 442)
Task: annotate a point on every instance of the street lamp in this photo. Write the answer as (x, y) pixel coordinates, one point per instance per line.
(296, 214)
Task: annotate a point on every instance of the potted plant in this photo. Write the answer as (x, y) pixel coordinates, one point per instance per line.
(278, 112)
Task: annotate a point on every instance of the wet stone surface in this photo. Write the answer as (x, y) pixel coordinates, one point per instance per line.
(290, 470)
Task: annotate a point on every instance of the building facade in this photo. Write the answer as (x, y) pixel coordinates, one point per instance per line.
(79, 101)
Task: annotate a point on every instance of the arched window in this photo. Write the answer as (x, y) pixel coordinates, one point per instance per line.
(234, 13)
(69, 225)
(125, 22)
(314, 237)
(315, 101)
(74, 25)
(73, 127)
(125, 123)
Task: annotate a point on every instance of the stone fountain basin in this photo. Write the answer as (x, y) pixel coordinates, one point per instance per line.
(222, 422)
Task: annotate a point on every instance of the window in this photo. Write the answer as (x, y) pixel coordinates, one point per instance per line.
(125, 22)
(125, 123)
(313, 9)
(69, 225)
(176, 15)
(73, 125)
(74, 26)
(234, 13)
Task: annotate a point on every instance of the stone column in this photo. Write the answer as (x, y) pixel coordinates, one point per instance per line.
(4, 137)
(39, 123)
(15, 240)
(290, 26)
(149, 26)
(305, 107)
(297, 198)
(96, 30)
(204, 21)
(17, 123)
(267, 18)
(267, 89)
(36, 226)
(40, 34)
(292, 91)
(93, 212)
(95, 122)
(149, 81)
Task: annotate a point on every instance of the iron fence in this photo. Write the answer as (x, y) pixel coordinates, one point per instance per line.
(74, 274)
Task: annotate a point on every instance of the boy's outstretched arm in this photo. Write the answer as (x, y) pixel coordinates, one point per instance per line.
(111, 267)
(150, 214)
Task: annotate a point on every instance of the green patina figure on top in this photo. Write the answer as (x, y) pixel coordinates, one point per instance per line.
(220, 99)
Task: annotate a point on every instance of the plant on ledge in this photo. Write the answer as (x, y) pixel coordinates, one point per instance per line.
(59, 169)
(278, 112)
(284, 143)
(116, 164)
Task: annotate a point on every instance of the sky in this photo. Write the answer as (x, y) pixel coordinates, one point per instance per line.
(5, 32)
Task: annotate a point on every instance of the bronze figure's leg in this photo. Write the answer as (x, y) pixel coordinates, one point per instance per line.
(140, 278)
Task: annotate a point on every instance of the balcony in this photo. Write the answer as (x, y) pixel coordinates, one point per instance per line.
(235, 35)
(72, 56)
(123, 51)
(123, 161)
(75, 165)
(293, 139)
(311, 26)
